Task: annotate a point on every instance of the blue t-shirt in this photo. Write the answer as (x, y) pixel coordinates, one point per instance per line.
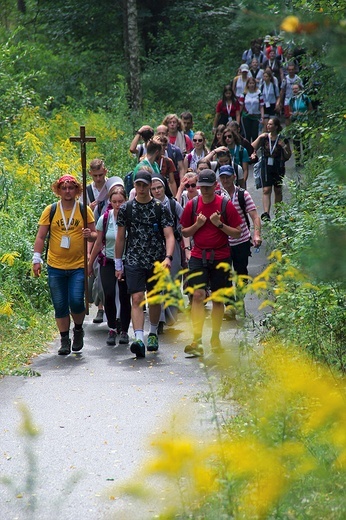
(235, 154)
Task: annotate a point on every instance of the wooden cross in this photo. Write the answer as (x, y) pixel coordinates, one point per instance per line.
(82, 139)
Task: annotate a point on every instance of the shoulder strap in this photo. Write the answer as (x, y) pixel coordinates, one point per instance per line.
(52, 211)
(242, 204)
(140, 152)
(241, 154)
(129, 205)
(276, 90)
(81, 207)
(90, 193)
(105, 224)
(173, 207)
(194, 208)
(224, 203)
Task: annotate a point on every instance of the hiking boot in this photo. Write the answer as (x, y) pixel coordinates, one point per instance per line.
(78, 342)
(65, 348)
(153, 343)
(138, 348)
(195, 349)
(99, 316)
(216, 347)
(265, 217)
(111, 339)
(124, 338)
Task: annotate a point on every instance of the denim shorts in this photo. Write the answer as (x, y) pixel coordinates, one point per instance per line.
(67, 290)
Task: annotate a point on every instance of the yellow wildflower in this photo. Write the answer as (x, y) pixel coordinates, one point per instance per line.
(290, 24)
(9, 258)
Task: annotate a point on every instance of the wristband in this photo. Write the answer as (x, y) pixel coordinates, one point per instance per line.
(36, 259)
(118, 264)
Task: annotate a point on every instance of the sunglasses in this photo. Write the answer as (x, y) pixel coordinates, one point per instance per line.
(197, 140)
(193, 185)
(228, 136)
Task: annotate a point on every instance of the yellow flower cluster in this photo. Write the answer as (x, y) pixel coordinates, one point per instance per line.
(297, 408)
(9, 258)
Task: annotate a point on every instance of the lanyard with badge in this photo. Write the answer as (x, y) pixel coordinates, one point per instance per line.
(65, 239)
(271, 150)
(229, 110)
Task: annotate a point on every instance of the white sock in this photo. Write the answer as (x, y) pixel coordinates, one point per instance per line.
(139, 334)
(153, 328)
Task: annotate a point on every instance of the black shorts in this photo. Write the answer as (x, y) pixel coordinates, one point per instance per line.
(273, 176)
(269, 111)
(208, 275)
(137, 279)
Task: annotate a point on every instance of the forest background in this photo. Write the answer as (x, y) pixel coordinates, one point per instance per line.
(113, 66)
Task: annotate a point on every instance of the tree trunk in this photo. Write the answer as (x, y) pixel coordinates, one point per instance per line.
(132, 54)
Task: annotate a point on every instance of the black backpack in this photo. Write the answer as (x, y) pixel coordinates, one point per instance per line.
(242, 204)
(195, 204)
(128, 182)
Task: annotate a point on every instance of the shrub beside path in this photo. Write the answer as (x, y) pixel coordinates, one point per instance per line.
(97, 412)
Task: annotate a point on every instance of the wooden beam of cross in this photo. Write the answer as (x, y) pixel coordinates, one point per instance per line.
(82, 139)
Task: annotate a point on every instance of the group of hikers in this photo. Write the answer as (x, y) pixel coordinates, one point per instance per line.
(183, 205)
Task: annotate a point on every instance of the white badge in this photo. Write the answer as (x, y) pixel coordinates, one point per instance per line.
(65, 242)
(267, 104)
(270, 161)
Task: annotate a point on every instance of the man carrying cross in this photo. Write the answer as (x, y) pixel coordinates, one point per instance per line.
(63, 224)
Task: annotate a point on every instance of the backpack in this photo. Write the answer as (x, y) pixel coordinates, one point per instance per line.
(177, 233)
(90, 193)
(51, 216)
(140, 153)
(101, 257)
(242, 204)
(91, 197)
(128, 182)
(276, 93)
(241, 154)
(195, 200)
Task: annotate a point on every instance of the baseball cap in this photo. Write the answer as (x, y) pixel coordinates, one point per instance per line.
(206, 178)
(244, 68)
(226, 170)
(143, 176)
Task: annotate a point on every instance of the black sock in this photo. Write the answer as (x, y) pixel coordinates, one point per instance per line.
(64, 334)
(78, 327)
